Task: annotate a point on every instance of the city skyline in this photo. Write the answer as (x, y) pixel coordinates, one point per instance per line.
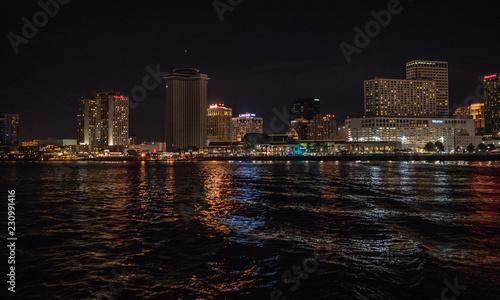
(411, 84)
(261, 72)
(236, 149)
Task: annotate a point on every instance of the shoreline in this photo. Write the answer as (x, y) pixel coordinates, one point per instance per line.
(445, 157)
(404, 157)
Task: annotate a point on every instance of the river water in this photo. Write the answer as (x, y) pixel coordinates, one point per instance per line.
(255, 230)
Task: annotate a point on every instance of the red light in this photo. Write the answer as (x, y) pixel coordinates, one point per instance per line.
(490, 76)
(118, 97)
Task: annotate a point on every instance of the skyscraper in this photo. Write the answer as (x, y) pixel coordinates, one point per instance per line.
(219, 123)
(492, 103)
(103, 119)
(305, 108)
(400, 98)
(9, 129)
(432, 70)
(186, 109)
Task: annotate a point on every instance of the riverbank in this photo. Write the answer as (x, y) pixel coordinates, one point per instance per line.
(431, 157)
(402, 157)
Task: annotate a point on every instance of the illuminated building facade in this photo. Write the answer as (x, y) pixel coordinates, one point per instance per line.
(9, 129)
(462, 112)
(219, 123)
(186, 109)
(492, 103)
(432, 70)
(322, 128)
(305, 108)
(299, 127)
(476, 112)
(413, 133)
(245, 123)
(400, 98)
(103, 119)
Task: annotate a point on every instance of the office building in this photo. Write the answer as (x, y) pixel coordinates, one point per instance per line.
(305, 108)
(103, 119)
(492, 103)
(400, 98)
(186, 109)
(413, 133)
(245, 123)
(219, 123)
(9, 129)
(432, 70)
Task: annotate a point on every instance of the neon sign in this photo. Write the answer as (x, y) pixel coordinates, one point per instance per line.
(490, 76)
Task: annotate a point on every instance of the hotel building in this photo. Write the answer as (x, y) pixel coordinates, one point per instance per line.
(413, 133)
(219, 123)
(319, 128)
(300, 128)
(103, 119)
(323, 128)
(432, 70)
(9, 129)
(413, 111)
(245, 123)
(492, 103)
(400, 97)
(186, 109)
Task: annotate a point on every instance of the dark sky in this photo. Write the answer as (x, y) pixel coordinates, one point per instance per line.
(264, 55)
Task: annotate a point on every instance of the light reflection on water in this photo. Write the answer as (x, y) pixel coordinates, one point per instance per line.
(218, 230)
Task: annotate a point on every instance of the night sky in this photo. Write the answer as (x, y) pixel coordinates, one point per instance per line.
(264, 55)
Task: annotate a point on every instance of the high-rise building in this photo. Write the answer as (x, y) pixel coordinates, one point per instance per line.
(322, 128)
(474, 111)
(9, 129)
(186, 109)
(400, 98)
(305, 108)
(319, 128)
(492, 103)
(103, 119)
(219, 123)
(432, 70)
(300, 127)
(245, 123)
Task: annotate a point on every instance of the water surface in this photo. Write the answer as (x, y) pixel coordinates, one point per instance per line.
(253, 230)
